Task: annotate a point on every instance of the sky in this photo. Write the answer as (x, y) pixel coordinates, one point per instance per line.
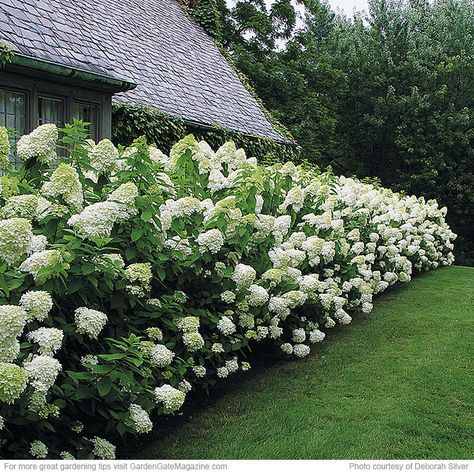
(347, 6)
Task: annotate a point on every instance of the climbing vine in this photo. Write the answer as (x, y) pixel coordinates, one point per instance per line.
(6, 54)
(130, 121)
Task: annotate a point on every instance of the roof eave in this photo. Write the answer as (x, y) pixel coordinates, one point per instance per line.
(78, 74)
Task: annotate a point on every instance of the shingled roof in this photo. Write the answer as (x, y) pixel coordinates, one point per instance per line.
(176, 66)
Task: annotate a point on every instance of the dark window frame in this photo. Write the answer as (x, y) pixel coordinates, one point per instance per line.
(35, 87)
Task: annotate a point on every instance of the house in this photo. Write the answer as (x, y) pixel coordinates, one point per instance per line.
(74, 58)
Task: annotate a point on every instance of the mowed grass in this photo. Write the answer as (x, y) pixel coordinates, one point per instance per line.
(395, 384)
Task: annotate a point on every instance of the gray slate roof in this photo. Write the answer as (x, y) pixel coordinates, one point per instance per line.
(177, 67)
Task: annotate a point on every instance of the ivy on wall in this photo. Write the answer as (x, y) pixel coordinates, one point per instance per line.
(130, 121)
(208, 14)
(6, 54)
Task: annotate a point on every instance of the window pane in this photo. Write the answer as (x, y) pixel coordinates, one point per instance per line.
(12, 115)
(86, 113)
(50, 110)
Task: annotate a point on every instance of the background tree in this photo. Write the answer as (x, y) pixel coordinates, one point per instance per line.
(387, 94)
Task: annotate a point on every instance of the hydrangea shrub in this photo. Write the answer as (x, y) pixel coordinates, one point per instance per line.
(129, 278)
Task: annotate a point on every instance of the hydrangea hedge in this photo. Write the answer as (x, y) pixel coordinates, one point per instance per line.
(129, 278)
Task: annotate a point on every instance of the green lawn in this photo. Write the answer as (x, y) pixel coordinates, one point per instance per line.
(394, 384)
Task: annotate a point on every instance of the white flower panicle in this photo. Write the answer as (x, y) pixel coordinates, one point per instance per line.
(37, 305)
(102, 448)
(161, 356)
(38, 449)
(89, 321)
(226, 326)
(65, 184)
(210, 241)
(104, 156)
(140, 419)
(42, 371)
(48, 339)
(139, 278)
(39, 144)
(171, 398)
(244, 275)
(15, 238)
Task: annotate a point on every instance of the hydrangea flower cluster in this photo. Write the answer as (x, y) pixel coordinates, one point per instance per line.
(171, 398)
(65, 184)
(12, 382)
(4, 146)
(39, 144)
(15, 238)
(161, 356)
(42, 371)
(140, 418)
(233, 253)
(89, 321)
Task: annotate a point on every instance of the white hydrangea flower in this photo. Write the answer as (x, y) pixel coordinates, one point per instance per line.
(140, 418)
(41, 260)
(244, 275)
(64, 183)
(103, 157)
(287, 348)
(37, 305)
(299, 335)
(89, 359)
(226, 326)
(139, 277)
(295, 198)
(211, 241)
(184, 207)
(228, 297)
(4, 146)
(199, 371)
(125, 196)
(15, 238)
(279, 306)
(23, 206)
(246, 366)
(281, 227)
(185, 386)
(193, 341)
(222, 372)
(40, 144)
(38, 449)
(97, 220)
(102, 448)
(66, 456)
(258, 295)
(158, 156)
(161, 356)
(232, 365)
(38, 243)
(12, 321)
(89, 321)
(301, 350)
(42, 372)
(316, 336)
(171, 398)
(217, 348)
(48, 339)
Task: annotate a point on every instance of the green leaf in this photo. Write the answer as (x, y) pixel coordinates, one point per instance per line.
(104, 386)
(136, 233)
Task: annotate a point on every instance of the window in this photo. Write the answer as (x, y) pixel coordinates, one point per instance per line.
(13, 115)
(28, 100)
(87, 113)
(50, 110)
